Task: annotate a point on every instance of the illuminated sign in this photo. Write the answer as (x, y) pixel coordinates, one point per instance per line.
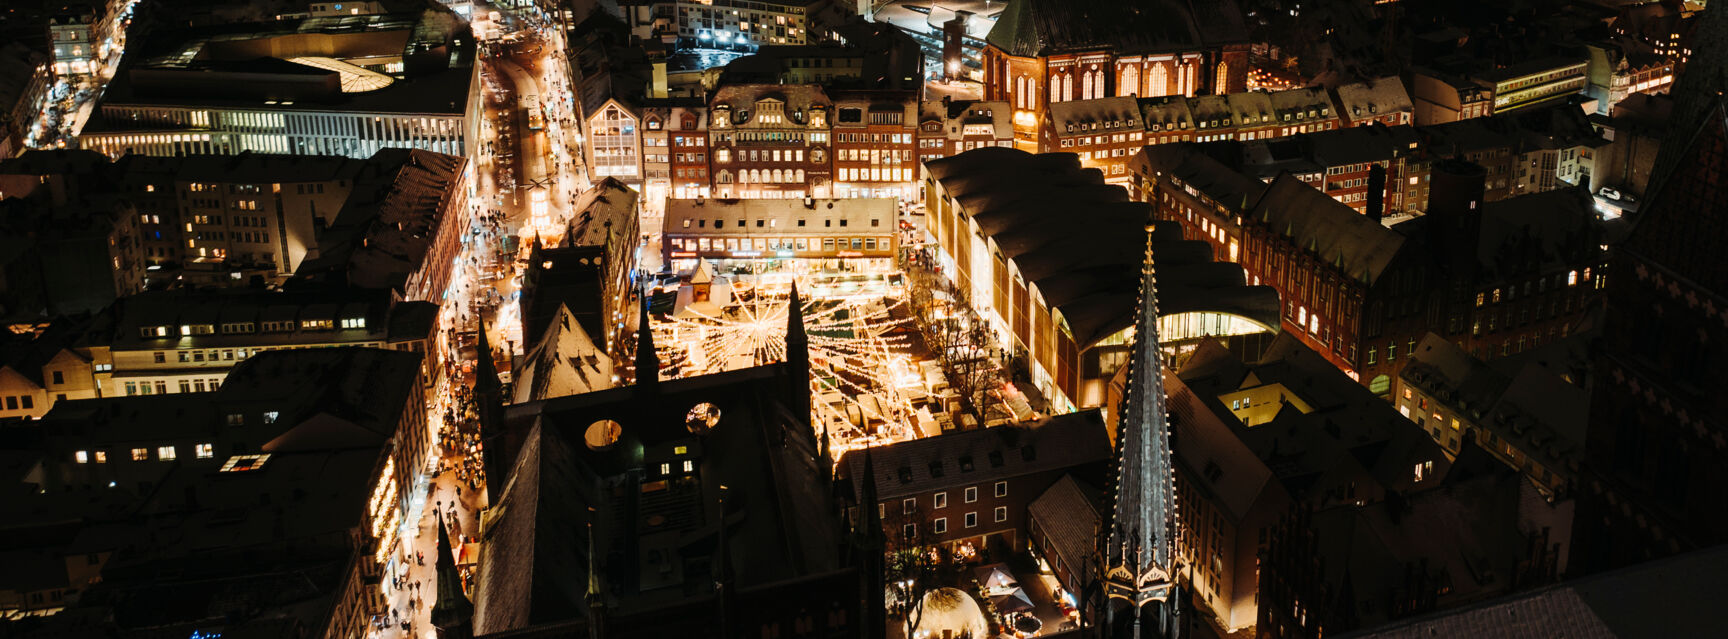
(746, 253)
(243, 463)
(683, 254)
(783, 253)
(851, 254)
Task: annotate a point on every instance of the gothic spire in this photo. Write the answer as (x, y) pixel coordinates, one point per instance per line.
(489, 408)
(1138, 556)
(647, 361)
(797, 356)
(485, 368)
(453, 614)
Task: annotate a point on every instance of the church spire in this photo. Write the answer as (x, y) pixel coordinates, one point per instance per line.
(797, 357)
(872, 546)
(489, 409)
(485, 368)
(647, 361)
(1138, 560)
(453, 614)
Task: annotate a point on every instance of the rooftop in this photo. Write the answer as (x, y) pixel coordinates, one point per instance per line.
(1356, 245)
(657, 549)
(1086, 263)
(1073, 442)
(1614, 604)
(1040, 27)
(267, 66)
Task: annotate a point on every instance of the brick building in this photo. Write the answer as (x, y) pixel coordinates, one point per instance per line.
(875, 146)
(1104, 132)
(771, 141)
(952, 127)
(968, 486)
(1042, 52)
(1496, 278)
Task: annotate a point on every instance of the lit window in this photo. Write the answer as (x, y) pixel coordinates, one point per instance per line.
(82, 457)
(665, 469)
(1423, 470)
(689, 466)
(140, 454)
(204, 451)
(270, 416)
(165, 453)
(101, 457)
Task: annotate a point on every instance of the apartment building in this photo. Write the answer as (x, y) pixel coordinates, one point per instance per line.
(952, 127)
(167, 342)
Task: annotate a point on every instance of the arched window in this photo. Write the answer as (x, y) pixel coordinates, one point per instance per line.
(1192, 73)
(1056, 89)
(798, 176)
(1067, 86)
(777, 177)
(1157, 82)
(723, 177)
(755, 176)
(1086, 83)
(1223, 83)
(1130, 84)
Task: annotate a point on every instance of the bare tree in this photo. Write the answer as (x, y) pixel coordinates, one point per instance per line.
(912, 565)
(963, 343)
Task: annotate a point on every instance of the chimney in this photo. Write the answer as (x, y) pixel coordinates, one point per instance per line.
(1376, 208)
(1455, 197)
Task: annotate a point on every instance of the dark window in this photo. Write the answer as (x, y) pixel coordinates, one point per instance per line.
(935, 469)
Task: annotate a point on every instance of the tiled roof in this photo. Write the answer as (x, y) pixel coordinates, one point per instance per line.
(1037, 27)
(1337, 234)
(1063, 442)
(1672, 597)
(1372, 98)
(1077, 117)
(1084, 263)
(1067, 512)
(564, 362)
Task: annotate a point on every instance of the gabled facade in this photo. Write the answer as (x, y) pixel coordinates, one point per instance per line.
(1043, 52)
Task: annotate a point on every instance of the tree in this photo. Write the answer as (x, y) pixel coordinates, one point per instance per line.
(962, 341)
(912, 565)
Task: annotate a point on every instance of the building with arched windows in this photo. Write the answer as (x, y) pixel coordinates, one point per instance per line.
(1048, 51)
